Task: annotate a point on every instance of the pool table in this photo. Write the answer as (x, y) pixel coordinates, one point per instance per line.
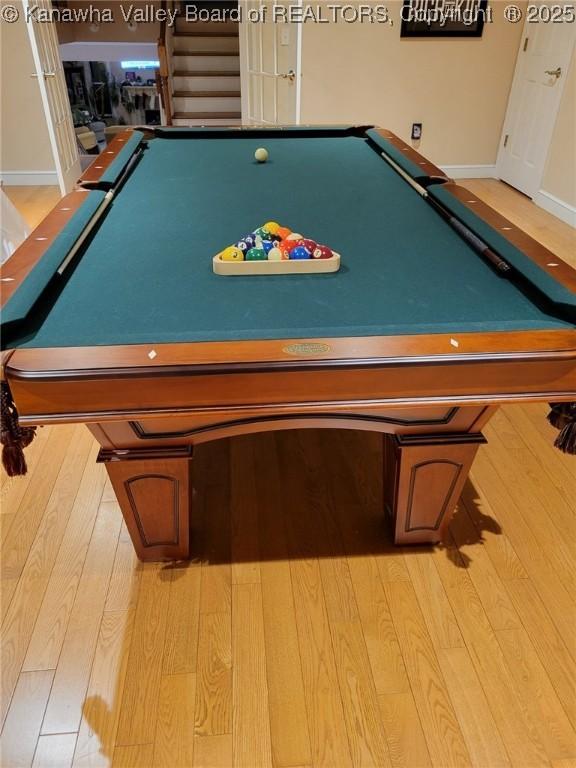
(441, 311)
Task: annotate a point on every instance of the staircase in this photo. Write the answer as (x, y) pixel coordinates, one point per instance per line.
(205, 73)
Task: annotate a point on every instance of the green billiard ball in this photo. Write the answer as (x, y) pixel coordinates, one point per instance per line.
(256, 254)
(262, 233)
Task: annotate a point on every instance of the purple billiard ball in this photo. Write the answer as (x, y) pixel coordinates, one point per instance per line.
(246, 243)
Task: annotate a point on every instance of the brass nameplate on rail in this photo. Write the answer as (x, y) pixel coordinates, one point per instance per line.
(306, 350)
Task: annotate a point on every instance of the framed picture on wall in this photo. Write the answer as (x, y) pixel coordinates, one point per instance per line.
(443, 18)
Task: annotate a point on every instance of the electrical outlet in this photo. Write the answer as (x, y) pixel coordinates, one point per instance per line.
(416, 131)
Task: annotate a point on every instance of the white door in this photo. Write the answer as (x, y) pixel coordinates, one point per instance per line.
(50, 74)
(541, 70)
(270, 53)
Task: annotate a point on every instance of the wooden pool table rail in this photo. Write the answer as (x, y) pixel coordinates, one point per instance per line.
(15, 270)
(546, 260)
(104, 160)
(94, 384)
(436, 174)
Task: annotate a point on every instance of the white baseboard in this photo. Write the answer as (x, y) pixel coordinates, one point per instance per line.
(470, 171)
(29, 178)
(556, 207)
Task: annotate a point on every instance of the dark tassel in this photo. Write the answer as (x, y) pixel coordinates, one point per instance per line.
(14, 460)
(566, 440)
(563, 417)
(13, 437)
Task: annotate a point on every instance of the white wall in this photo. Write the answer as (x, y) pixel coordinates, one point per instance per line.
(458, 88)
(115, 31)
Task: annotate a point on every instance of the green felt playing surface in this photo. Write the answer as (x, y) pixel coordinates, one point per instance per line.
(146, 274)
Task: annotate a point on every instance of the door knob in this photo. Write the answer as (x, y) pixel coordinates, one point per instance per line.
(554, 72)
(290, 75)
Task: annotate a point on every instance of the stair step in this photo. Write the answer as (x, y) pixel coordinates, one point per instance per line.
(212, 63)
(203, 103)
(205, 73)
(207, 115)
(205, 53)
(208, 94)
(191, 84)
(197, 43)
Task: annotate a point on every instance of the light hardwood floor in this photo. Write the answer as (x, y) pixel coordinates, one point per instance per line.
(298, 636)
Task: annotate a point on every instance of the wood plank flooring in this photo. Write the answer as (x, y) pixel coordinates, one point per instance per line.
(297, 636)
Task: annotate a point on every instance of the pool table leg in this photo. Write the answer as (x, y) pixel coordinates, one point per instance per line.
(154, 490)
(423, 479)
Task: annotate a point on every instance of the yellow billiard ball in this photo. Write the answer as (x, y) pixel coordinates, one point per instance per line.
(261, 155)
(231, 254)
(272, 227)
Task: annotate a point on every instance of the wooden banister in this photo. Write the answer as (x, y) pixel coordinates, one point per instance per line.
(163, 74)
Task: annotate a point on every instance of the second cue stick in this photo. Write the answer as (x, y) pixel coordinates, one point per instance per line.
(473, 240)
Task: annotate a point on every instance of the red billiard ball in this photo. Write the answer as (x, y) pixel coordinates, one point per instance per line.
(322, 252)
(310, 245)
(291, 244)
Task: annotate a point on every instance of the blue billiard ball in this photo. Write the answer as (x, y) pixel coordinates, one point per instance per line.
(300, 253)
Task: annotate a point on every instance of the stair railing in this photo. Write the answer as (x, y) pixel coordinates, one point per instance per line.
(164, 74)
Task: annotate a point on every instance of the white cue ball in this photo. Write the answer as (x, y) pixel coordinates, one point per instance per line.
(261, 155)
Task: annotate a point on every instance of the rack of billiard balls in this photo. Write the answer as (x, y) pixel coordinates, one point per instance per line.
(274, 250)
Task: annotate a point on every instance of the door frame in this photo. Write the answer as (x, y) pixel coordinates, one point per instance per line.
(67, 177)
(552, 114)
(245, 71)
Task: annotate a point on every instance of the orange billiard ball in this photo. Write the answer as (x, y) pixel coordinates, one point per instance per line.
(285, 247)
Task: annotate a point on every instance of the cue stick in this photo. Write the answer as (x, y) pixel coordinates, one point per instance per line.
(90, 226)
(473, 240)
(134, 160)
(130, 165)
